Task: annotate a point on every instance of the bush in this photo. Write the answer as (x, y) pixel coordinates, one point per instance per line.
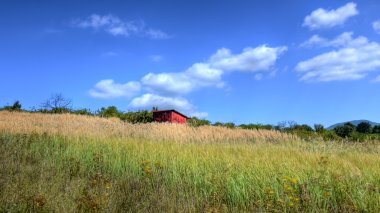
(376, 129)
(194, 121)
(364, 127)
(256, 126)
(143, 116)
(330, 136)
(345, 130)
(108, 112)
(15, 107)
(319, 128)
(82, 112)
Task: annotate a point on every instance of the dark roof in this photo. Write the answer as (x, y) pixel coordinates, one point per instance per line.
(171, 110)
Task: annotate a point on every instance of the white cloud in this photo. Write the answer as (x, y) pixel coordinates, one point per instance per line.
(148, 101)
(261, 58)
(345, 39)
(166, 89)
(322, 18)
(117, 27)
(209, 74)
(376, 26)
(351, 59)
(109, 89)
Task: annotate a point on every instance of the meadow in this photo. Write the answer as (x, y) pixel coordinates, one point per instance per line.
(76, 163)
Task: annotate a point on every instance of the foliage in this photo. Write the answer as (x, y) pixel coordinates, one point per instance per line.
(228, 124)
(143, 116)
(108, 112)
(16, 106)
(364, 127)
(82, 112)
(345, 131)
(319, 128)
(256, 126)
(194, 121)
(376, 129)
(330, 135)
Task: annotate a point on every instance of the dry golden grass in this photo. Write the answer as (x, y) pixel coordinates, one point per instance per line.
(72, 163)
(102, 128)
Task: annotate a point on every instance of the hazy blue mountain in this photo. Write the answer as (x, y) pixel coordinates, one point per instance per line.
(354, 122)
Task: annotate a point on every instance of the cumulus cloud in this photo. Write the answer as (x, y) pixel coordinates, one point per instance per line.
(109, 89)
(209, 73)
(350, 59)
(118, 27)
(322, 18)
(147, 101)
(345, 39)
(166, 90)
(196, 77)
(376, 26)
(261, 58)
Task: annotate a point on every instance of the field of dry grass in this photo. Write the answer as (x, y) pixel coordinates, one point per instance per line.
(69, 163)
(101, 128)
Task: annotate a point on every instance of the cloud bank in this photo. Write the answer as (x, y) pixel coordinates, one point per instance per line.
(166, 90)
(350, 59)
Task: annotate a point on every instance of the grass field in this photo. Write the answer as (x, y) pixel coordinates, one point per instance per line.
(69, 163)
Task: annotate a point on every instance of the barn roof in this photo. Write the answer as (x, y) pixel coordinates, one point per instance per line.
(171, 110)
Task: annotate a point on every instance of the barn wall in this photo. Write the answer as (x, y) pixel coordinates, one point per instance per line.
(162, 116)
(177, 118)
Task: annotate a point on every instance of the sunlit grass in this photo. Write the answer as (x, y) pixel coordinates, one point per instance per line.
(52, 170)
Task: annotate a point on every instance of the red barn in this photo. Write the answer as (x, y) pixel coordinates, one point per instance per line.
(171, 116)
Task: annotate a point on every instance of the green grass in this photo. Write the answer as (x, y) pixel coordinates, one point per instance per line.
(44, 173)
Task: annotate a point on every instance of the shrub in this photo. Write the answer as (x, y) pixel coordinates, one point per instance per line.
(319, 128)
(83, 112)
(15, 107)
(256, 126)
(376, 129)
(364, 127)
(194, 121)
(108, 112)
(330, 136)
(345, 130)
(143, 116)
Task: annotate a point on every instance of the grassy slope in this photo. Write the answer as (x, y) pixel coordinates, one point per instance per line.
(56, 172)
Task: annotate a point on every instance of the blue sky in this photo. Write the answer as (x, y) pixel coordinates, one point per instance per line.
(230, 61)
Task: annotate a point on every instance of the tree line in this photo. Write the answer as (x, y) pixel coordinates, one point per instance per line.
(59, 104)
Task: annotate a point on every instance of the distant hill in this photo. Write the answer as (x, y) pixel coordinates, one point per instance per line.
(354, 122)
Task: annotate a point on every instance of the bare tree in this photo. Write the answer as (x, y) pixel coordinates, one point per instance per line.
(57, 102)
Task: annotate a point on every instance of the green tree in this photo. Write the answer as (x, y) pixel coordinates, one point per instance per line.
(319, 128)
(376, 129)
(194, 121)
(229, 125)
(364, 127)
(143, 116)
(344, 131)
(15, 107)
(83, 112)
(108, 112)
(218, 124)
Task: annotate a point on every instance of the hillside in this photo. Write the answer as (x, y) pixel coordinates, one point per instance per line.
(72, 163)
(354, 122)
